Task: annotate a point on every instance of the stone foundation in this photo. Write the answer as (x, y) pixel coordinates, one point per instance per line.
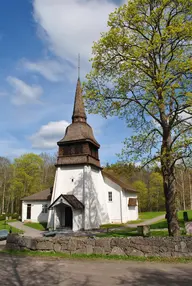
(130, 246)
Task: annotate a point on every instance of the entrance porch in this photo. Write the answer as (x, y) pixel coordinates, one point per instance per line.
(67, 213)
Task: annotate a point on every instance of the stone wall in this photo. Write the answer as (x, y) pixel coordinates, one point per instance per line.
(134, 246)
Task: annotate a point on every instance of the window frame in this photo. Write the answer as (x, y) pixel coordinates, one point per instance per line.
(110, 197)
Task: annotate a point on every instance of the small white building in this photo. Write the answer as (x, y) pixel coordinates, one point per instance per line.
(83, 196)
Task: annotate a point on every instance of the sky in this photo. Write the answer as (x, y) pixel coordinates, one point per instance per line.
(39, 45)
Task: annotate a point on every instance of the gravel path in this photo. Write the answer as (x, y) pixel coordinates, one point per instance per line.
(147, 222)
(34, 271)
(28, 231)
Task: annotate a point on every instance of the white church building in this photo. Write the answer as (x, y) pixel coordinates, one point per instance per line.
(83, 196)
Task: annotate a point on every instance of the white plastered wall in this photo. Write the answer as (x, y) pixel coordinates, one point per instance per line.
(96, 212)
(36, 211)
(114, 207)
(68, 180)
(129, 213)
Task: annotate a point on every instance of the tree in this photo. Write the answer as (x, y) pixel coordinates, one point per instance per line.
(48, 169)
(141, 187)
(26, 180)
(141, 71)
(5, 173)
(156, 191)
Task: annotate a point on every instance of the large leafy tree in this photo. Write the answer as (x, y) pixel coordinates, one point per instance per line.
(141, 70)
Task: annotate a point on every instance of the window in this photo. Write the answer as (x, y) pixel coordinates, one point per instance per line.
(44, 209)
(110, 196)
(28, 211)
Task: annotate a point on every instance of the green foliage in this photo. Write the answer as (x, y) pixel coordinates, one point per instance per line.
(141, 71)
(4, 225)
(28, 174)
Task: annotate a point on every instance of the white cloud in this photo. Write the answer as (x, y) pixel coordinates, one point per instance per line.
(70, 26)
(50, 69)
(48, 135)
(24, 93)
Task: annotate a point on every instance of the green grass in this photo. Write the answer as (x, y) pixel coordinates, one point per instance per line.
(150, 215)
(39, 226)
(163, 223)
(98, 256)
(4, 225)
(142, 217)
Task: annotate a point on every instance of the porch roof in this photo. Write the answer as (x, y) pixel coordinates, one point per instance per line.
(72, 200)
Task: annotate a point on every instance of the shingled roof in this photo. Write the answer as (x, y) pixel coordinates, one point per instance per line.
(71, 199)
(79, 130)
(44, 195)
(79, 114)
(119, 182)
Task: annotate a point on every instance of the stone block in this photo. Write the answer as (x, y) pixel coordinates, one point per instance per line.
(45, 245)
(105, 243)
(64, 245)
(89, 249)
(188, 228)
(81, 243)
(21, 241)
(57, 247)
(117, 251)
(135, 252)
(12, 246)
(143, 230)
(79, 251)
(30, 243)
(183, 247)
(13, 238)
(72, 244)
(91, 241)
(123, 243)
(98, 250)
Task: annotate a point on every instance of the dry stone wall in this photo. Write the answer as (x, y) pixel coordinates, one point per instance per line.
(130, 246)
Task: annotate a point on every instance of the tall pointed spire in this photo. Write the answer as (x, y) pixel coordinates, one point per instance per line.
(79, 66)
(79, 114)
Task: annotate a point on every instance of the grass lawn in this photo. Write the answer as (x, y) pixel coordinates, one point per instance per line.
(142, 217)
(150, 215)
(4, 225)
(39, 226)
(163, 223)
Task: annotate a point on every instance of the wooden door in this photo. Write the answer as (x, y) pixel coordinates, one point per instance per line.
(68, 217)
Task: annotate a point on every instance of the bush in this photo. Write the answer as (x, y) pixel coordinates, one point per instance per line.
(13, 216)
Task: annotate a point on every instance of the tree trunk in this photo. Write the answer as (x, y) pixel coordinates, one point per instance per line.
(190, 189)
(183, 189)
(167, 168)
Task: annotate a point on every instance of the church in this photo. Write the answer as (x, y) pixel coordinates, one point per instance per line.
(84, 196)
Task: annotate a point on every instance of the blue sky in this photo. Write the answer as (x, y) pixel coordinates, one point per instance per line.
(39, 44)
